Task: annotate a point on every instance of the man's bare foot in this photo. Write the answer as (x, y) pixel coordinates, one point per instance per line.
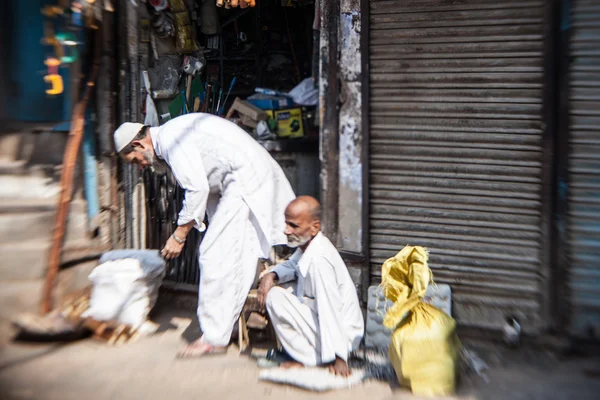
(200, 349)
(290, 365)
(340, 367)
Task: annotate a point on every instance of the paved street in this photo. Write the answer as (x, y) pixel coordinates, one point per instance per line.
(149, 370)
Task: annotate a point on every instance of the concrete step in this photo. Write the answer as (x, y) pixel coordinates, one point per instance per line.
(71, 280)
(23, 227)
(28, 260)
(9, 205)
(23, 261)
(12, 167)
(18, 206)
(18, 170)
(27, 187)
(48, 147)
(28, 226)
(35, 144)
(19, 297)
(11, 145)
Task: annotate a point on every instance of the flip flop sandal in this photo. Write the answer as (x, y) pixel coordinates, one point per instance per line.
(198, 354)
(274, 358)
(263, 363)
(279, 356)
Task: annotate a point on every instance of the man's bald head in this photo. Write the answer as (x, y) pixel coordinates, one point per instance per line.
(302, 220)
(308, 205)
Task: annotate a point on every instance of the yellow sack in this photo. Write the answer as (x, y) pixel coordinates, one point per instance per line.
(424, 349)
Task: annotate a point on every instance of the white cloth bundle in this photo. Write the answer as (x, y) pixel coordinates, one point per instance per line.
(123, 291)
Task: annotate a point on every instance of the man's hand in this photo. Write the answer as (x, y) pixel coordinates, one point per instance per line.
(340, 367)
(266, 283)
(172, 249)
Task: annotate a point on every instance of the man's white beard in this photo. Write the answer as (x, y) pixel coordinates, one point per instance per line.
(297, 241)
(157, 166)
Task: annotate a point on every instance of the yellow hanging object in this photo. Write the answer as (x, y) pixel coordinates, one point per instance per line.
(53, 78)
(424, 349)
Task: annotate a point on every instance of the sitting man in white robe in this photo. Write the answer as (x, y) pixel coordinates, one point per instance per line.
(232, 179)
(319, 322)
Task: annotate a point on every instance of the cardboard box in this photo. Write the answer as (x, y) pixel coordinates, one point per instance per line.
(267, 102)
(289, 122)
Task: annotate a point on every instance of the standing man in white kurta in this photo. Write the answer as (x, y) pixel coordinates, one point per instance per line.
(319, 322)
(232, 179)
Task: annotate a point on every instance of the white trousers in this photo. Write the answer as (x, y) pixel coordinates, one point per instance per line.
(296, 325)
(229, 255)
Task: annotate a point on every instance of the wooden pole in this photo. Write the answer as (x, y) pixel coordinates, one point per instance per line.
(66, 180)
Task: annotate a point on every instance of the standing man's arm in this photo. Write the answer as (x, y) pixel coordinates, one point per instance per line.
(186, 163)
(176, 241)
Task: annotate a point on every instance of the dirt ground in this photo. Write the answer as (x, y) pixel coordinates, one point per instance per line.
(148, 369)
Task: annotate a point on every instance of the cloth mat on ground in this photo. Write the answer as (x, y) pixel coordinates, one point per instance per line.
(365, 364)
(315, 379)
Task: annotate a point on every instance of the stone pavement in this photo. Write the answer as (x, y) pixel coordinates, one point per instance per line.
(149, 370)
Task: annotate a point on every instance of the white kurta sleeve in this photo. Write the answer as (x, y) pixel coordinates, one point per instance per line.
(286, 271)
(186, 163)
(329, 301)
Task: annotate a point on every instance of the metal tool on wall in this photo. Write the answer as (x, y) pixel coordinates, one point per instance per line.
(236, 3)
(231, 85)
(53, 78)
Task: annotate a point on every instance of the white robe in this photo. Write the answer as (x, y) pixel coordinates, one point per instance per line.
(227, 175)
(321, 318)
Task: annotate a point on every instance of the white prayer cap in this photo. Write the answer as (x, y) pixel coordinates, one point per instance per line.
(125, 134)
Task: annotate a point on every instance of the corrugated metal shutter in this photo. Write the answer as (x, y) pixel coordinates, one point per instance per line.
(455, 148)
(584, 167)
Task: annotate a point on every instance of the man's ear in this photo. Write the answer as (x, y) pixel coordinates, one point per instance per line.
(316, 226)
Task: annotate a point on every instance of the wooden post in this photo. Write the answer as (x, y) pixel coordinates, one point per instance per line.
(66, 180)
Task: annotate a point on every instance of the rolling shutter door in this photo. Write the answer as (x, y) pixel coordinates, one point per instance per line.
(455, 149)
(584, 168)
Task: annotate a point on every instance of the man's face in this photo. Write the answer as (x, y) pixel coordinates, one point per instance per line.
(141, 156)
(300, 227)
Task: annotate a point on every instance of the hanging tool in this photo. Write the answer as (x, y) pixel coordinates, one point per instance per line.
(68, 40)
(237, 32)
(219, 101)
(52, 11)
(236, 3)
(159, 5)
(188, 92)
(53, 78)
(231, 85)
(50, 40)
(208, 90)
(214, 101)
(184, 110)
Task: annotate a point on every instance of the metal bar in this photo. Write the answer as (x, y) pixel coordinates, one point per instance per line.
(549, 112)
(90, 171)
(366, 137)
(106, 112)
(560, 239)
(328, 99)
(125, 240)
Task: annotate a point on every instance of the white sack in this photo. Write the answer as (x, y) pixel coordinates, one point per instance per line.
(123, 291)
